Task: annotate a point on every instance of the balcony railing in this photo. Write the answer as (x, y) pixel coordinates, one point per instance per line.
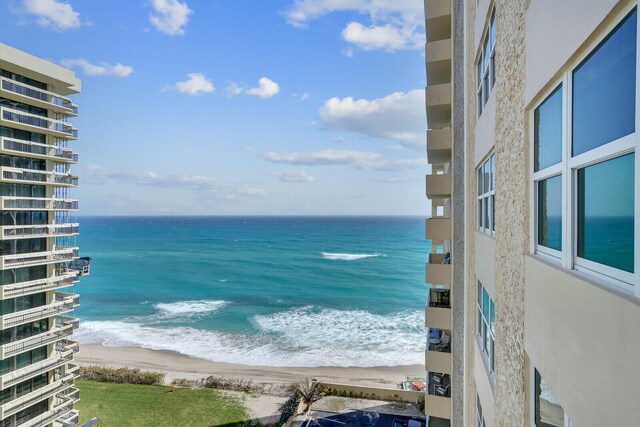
(37, 231)
(41, 285)
(64, 302)
(19, 375)
(35, 149)
(39, 94)
(38, 177)
(35, 396)
(67, 345)
(26, 344)
(66, 321)
(40, 122)
(63, 254)
(11, 203)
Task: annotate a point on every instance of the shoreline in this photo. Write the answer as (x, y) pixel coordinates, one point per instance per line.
(176, 365)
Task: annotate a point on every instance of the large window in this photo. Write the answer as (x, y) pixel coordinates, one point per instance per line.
(486, 64)
(585, 173)
(479, 416)
(487, 196)
(486, 324)
(547, 409)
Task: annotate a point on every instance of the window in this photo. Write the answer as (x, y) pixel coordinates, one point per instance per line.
(486, 324)
(479, 417)
(486, 65)
(585, 179)
(487, 196)
(547, 409)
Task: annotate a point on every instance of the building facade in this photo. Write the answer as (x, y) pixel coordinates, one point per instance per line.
(38, 256)
(532, 109)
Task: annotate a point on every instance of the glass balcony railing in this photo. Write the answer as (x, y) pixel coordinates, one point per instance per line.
(37, 176)
(64, 302)
(37, 203)
(62, 254)
(39, 94)
(37, 231)
(41, 150)
(41, 285)
(41, 122)
(27, 344)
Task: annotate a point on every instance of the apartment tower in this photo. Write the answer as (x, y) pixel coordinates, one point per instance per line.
(533, 116)
(38, 256)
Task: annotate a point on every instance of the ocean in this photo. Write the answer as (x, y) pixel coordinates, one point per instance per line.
(271, 291)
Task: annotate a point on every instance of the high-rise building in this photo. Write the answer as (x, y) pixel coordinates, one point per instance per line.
(533, 116)
(38, 256)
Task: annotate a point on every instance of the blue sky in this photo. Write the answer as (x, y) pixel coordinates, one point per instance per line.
(240, 106)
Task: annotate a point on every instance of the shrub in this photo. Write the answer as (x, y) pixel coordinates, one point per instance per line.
(288, 408)
(120, 375)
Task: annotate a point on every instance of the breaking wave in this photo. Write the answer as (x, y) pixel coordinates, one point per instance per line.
(301, 337)
(347, 257)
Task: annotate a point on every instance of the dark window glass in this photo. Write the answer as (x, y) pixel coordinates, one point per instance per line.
(548, 411)
(23, 359)
(606, 212)
(547, 131)
(550, 213)
(604, 90)
(493, 213)
(485, 304)
(6, 365)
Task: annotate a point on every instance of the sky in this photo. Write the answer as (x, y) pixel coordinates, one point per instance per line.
(239, 107)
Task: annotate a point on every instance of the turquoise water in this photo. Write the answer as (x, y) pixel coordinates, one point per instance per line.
(276, 291)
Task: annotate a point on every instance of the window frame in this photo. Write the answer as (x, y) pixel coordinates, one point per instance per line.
(611, 277)
(534, 398)
(486, 73)
(485, 333)
(486, 200)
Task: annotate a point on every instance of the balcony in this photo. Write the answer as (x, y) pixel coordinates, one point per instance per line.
(12, 378)
(439, 145)
(43, 98)
(8, 232)
(438, 229)
(35, 123)
(41, 285)
(67, 321)
(438, 272)
(23, 402)
(63, 254)
(438, 60)
(438, 395)
(438, 186)
(438, 19)
(69, 419)
(438, 101)
(31, 176)
(11, 203)
(438, 309)
(36, 150)
(26, 344)
(64, 302)
(63, 346)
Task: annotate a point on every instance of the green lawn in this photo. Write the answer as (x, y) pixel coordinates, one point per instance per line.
(121, 405)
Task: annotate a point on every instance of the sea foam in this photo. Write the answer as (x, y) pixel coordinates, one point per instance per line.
(347, 257)
(180, 311)
(304, 337)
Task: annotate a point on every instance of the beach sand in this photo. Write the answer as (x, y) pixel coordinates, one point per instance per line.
(176, 365)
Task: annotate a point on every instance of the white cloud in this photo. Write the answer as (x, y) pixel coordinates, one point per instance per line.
(170, 16)
(399, 116)
(301, 97)
(53, 13)
(101, 69)
(395, 24)
(324, 157)
(196, 84)
(363, 160)
(385, 37)
(266, 88)
(293, 175)
(228, 190)
(348, 52)
(395, 147)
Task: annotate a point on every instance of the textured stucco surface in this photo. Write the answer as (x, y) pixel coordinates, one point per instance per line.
(511, 213)
(458, 292)
(471, 214)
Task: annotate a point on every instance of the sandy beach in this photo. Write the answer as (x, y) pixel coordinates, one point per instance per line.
(176, 365)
